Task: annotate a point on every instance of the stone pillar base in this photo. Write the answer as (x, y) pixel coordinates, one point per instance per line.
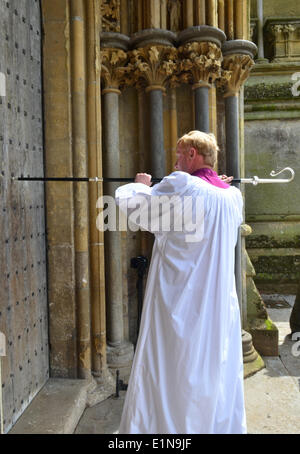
(119, 356)
(101, 387)
(261, 61)
(253, 367)
(249, 353)
(252, 360)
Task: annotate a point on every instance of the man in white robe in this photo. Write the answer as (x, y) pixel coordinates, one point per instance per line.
(187, 372)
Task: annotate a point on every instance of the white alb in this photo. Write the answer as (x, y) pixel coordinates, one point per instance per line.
(187, 373)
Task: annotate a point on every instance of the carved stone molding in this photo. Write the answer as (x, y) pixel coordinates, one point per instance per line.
(282, 38)
(200, 63)
(153, 37)
(201, 33)
(110, 14)
(114, 40)
(239, 46)
(153, 64)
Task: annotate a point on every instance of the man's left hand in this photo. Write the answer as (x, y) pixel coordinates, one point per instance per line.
(144, 178)
(226, 179)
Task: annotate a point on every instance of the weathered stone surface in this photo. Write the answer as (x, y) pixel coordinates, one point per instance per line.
(273, 210)
(260, 326)
(264, 91)
(275, 8)
(265, 336)
(61, 312)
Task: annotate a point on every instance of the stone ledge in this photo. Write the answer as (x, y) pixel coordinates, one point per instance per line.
(265, 336)
(56, 409)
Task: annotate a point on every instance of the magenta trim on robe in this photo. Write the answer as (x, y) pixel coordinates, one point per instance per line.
(211, 177)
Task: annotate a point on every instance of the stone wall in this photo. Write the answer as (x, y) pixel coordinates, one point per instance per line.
(272, 137)
(273, 210)
(277, 8)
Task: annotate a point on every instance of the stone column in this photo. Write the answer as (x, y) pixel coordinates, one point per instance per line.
(201, 106)
(201, 57)
(229, 20)
(173, 127)
(188, 13)
(200, 12)
(157, 156)
(233, 168)
(238, 60)
(96, 240)
(260, 32)
(113, 73)
(59, 197)
(81, 200)
(221, 14)
(232, 136)
(212, 13)
(153, 61)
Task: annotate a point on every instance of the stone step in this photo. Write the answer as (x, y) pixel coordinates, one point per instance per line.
(56, 409)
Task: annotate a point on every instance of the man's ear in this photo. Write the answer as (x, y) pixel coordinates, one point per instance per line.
(192, 152)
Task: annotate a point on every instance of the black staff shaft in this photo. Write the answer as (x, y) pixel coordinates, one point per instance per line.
(51, 179)
(104, 180)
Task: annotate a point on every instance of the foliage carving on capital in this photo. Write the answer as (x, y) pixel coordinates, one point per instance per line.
(200, 62)
(155, 64)
(115, 72)
(235, 72)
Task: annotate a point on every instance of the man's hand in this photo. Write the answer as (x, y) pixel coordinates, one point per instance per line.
(144, 178)
(226, 179)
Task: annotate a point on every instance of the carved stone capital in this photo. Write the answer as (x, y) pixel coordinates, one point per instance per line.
(237, 63)
(115, 73)
(200, 63)
(154, 64)
(235, 72)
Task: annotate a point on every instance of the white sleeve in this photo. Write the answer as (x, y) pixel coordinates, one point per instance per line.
(150, 207)
(131, 190)
(239, 207)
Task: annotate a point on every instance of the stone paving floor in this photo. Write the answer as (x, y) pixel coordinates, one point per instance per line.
(272, 395)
